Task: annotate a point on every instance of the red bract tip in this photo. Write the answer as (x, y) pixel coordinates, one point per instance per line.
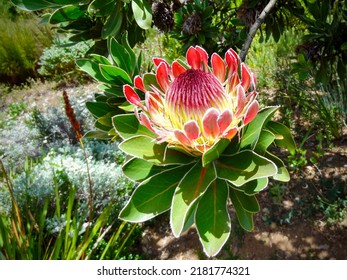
(252, 111)
(177, 69)
(138, 82)
(132, 96)
(162, 76)
(193, 58)
(218, 67)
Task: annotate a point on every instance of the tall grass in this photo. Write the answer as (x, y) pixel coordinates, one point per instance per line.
(24, 234)
(21, 43)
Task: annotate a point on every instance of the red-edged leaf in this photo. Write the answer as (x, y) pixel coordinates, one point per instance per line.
(182, 137)
(224, 120)
(177, 69)
(212, 218)
(162, 76)
(251, 112)
(245, 77)
(131, 96)
(138, 82)
(218, 67)
(203, 55)
(193, 58)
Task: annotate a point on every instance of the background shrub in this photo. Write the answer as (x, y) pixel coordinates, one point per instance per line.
(66, 167)
(58, 60)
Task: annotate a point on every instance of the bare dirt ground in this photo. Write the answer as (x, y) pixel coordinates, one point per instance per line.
(283, 229)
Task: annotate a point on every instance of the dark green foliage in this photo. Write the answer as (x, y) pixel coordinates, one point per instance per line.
(94, 20)
(193, 25)
(325, 44)
(113, 72)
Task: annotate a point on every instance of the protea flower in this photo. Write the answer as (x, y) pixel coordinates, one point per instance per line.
(197, 142)
(192, 106)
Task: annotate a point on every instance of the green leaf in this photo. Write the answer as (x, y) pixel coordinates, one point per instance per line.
(138, 169)
(142, 13)
(97, 134)
(150, 79)
(243, 167)
(99, 109)
(282, 174)
(67, 13)
(106, 120)
(212, 218)
(82, 36)
(153, 196)
(132, 55)
(233, 147)
(265, 139)
(344, 46)
(100, 59)
(244, 217)
(341, 69)
(145, 147)
(92, 68)
(255, 186)
(115, 74)
(127, 126)
(322, 75)
(215, 151)
(283, 136)
(127, 107)
(248, 202)
(112, 89)
(252, 131)
(113, 23)
(121, 56)
(101, 8)
(192, 186)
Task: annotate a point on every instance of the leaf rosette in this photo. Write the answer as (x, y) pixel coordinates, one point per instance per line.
(198, 142)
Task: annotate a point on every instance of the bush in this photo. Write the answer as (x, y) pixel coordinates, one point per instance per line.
(67, 167)
(58, 60)
(17, 142)
(32, 134)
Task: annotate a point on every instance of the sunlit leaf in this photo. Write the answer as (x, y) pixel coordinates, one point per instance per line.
(192, 186)
(252, 131)
(153, 196)
(283, 136)
(212, 218)
(145, 147)
(142, 13)
(243, 167)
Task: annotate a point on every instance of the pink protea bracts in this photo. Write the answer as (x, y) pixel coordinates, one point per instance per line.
(193, 106)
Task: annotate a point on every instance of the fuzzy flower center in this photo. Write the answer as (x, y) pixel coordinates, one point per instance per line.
(193, 92)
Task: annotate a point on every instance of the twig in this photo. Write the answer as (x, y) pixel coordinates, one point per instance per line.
(255, 27)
